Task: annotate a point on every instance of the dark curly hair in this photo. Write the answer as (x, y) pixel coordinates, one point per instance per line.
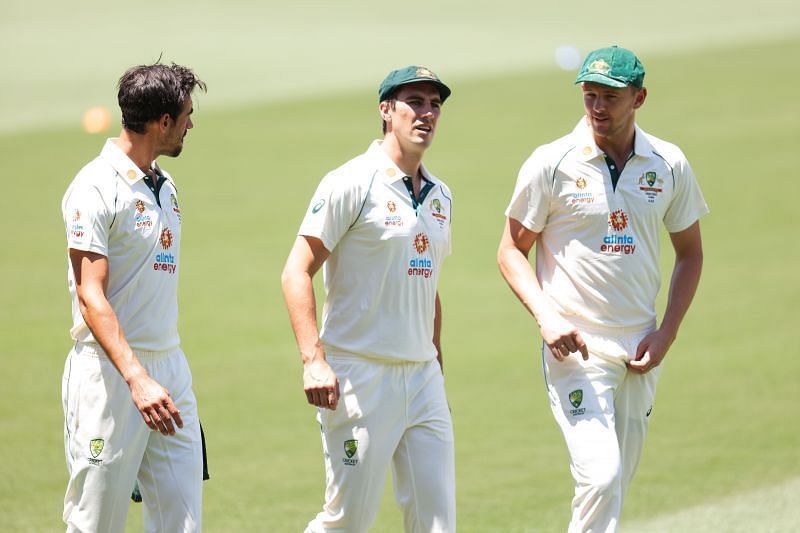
(146, 92)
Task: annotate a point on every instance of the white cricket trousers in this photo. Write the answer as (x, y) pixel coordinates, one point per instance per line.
(602, 410)
(108, 446)
(388, 414)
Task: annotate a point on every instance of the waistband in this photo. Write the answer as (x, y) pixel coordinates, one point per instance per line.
(593, 328)
(389, 361)
(95, 350)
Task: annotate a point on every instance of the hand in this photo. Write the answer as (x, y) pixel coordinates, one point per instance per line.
(155, 405)
(650, 352)
(562, 337)
(321, 384)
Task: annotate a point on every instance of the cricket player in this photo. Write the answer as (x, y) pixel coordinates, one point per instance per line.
(593, 203)
(130, 413)
(379, 226)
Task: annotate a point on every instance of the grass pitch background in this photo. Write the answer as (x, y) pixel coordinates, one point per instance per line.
(291, 96)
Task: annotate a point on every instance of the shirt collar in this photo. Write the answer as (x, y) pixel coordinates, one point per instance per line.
(386, 167)
(123, 164)
(588, 150)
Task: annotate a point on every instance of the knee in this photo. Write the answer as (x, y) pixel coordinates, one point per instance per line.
(601, 477)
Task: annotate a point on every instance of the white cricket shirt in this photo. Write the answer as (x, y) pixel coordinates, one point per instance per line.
(108, 209)
(598, 252)
(381, 276)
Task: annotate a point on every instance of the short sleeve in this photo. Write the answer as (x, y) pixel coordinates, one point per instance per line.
(688, 204)
(87, 218)
(530, 203)
(333, 209)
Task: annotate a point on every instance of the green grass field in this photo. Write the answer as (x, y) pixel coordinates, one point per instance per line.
(724, 447)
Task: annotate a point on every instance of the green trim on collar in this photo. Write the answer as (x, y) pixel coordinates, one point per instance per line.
(426, 188)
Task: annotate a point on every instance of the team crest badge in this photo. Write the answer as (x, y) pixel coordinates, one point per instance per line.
(650, 177)
(580, 183)
(96, 446)
(139, 206)
(576, 398)
(436, 205)
(166, 238)
(350, 448)
(421, 243)
(599, 67)
(422, 72)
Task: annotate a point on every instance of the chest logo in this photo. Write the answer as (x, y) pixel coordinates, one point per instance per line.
(391, 206)
(175, 209)
(139, 206)
(618, 220)
(580, 183)
(421, 243)
(618, 243)
(651, 185)
(420, 266)
(166, 238)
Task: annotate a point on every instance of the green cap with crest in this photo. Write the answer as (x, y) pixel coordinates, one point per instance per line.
(613, 66)
(411, 74)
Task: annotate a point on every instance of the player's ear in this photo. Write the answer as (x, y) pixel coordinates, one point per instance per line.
(165, 121)
(383, 110)
(641, 96)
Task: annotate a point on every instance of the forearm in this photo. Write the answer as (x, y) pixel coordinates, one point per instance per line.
(107, 331)
(519, 275)
(298, 292)
(683, 285)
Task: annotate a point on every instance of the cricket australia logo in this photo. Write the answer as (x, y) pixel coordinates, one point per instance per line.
(651, 185)
(175, 208)
(350, 449)
(599, 67)
(95, 448)
(576, 399)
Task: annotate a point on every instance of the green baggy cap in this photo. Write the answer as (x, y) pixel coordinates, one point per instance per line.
(612, 66)
(411, 74)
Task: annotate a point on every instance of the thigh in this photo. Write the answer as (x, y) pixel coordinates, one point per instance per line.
(358, 440)
(423, 465)
(581, 397)
(105, 439)
(171, 472)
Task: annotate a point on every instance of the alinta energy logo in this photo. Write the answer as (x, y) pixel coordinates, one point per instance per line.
(165, 262)
(618, 243)
(392, 219)
(420, 266)
(76, 230)
(141, 220)
(581, 196)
